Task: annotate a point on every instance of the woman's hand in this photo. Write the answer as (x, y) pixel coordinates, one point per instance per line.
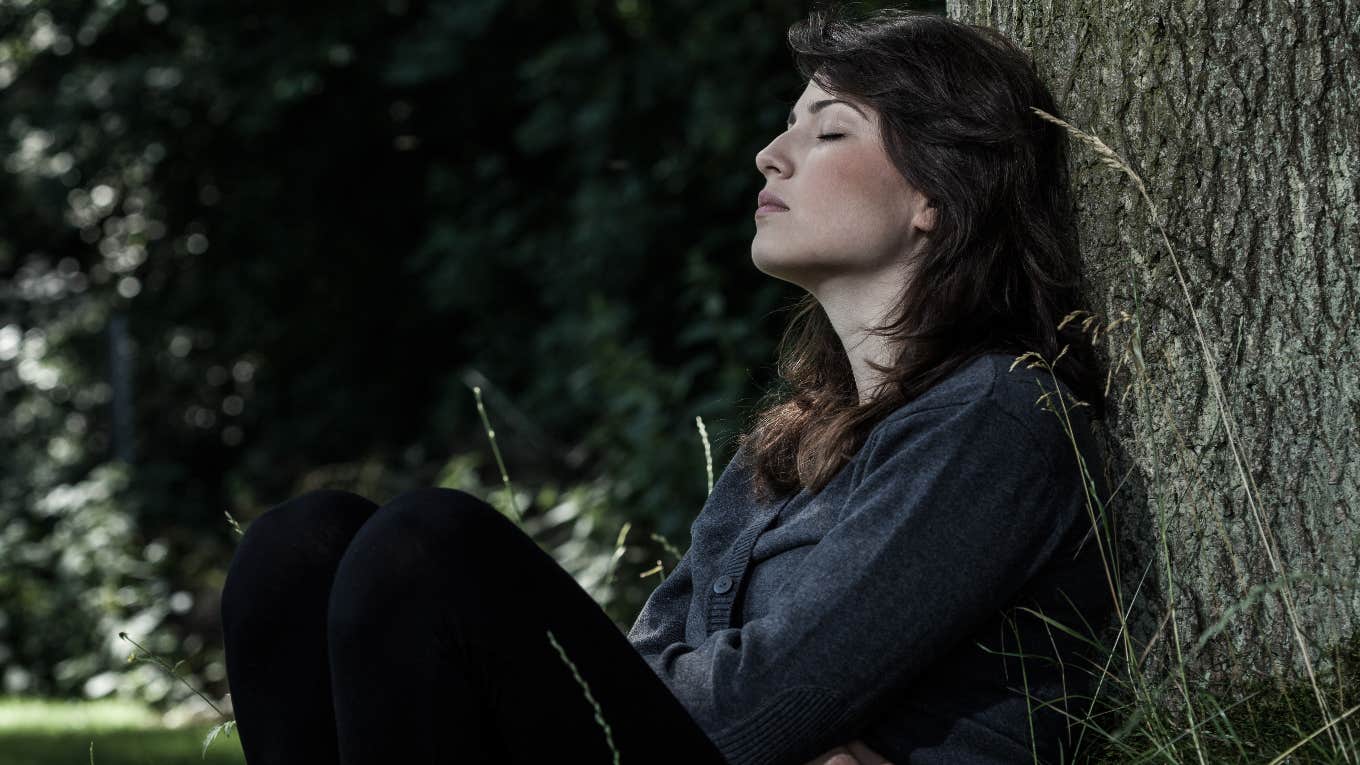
(839, 756)
(854, 753)
(865, 755)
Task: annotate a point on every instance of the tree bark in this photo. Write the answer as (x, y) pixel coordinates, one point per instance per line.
(1242, 122)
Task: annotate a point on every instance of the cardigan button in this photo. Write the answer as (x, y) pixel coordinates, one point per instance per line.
(722, 584)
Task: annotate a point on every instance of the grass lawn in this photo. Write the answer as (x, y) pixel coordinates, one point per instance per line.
(47, 732)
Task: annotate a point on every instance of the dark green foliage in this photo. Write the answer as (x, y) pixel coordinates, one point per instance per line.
(319, 223)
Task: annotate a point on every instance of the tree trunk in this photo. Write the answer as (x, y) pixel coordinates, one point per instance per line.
(1243, 126)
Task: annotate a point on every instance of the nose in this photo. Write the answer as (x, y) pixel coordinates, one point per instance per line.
(767, 159)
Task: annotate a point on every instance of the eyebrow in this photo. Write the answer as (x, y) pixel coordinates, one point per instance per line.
(817, 106)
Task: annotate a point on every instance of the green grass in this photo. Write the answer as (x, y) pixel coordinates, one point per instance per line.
(50, 732)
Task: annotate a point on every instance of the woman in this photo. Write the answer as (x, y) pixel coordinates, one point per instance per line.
(852, 591)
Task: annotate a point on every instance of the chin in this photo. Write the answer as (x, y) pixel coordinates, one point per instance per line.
(778, 267)
(766, 262)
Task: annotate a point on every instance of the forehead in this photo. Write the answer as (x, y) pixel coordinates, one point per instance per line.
(813, 97)
(812, 92)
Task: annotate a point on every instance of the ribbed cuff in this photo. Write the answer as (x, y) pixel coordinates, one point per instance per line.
(781, 726)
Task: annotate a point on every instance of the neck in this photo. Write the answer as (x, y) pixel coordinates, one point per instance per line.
(852, 310)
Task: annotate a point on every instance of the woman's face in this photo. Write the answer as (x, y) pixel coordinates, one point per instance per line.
(850, 212)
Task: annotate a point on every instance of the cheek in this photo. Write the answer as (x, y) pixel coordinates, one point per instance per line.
(861, 193)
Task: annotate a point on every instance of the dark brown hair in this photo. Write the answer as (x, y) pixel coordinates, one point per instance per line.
(998, 272)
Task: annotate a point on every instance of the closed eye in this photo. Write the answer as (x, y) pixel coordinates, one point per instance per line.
(830, 136)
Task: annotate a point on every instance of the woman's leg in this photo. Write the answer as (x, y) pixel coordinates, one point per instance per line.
(439, 650)
(274, 625)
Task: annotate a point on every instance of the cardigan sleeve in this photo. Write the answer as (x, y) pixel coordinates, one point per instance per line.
(664, 615)
(662, 619)
(954, 511)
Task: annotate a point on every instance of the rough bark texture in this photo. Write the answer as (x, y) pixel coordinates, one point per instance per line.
(1242, 120)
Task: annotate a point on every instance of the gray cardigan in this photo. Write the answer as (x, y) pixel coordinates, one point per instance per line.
(793, 626)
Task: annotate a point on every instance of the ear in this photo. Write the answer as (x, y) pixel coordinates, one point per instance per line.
(927, 216)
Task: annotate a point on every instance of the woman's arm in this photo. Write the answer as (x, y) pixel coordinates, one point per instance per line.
(957, 508)
(662, 619)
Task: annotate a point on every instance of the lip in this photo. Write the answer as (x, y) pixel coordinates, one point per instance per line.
(768, 203)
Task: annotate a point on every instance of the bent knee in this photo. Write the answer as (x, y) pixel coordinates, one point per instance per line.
(291, 544)
(434, 540)
(311, 514)
(445, 516)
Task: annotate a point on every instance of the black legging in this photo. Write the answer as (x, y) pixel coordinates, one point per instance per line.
(416, 632)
